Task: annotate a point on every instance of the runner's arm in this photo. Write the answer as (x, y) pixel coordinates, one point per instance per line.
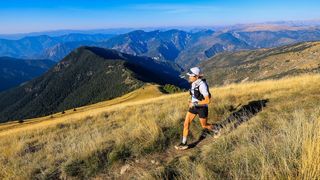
(204, 91)
(205, 101)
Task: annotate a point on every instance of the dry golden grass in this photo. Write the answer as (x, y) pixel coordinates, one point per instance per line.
(137, 96)
(280, 142)
(310, 159)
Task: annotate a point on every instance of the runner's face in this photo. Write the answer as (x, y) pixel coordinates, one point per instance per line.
(192, 79)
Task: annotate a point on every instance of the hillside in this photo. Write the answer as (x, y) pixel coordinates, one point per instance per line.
(87, 75)
(262, 131)
(16, 71)
(263, 64)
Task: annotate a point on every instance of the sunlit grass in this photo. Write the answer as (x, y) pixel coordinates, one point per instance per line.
(281, 141)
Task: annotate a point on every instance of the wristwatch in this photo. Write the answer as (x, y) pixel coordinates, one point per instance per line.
(195, 103)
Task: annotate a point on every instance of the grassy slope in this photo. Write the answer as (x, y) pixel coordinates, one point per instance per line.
(281, 141)
(146, 92)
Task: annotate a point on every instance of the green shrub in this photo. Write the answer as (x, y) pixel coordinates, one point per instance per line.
(120, 152)
(169, 89)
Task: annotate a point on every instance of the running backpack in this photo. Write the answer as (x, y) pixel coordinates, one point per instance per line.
(197, 93)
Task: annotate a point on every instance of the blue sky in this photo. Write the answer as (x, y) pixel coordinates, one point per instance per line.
(39, 15)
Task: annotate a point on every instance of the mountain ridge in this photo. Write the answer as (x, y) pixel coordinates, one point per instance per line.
(87, 75)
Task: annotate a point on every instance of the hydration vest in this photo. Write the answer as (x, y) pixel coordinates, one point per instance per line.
(197, 94)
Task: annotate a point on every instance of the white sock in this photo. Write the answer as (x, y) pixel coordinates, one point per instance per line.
(184, 140)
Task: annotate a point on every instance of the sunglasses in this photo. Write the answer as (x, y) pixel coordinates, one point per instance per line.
(192, 75)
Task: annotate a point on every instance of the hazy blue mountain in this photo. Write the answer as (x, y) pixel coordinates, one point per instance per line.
(268, 39)
(190, 48)
(112, 31)
(186, 48)
(36, 47)
(60, 50)
(164, 45)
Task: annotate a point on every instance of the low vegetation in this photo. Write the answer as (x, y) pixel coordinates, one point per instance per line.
(280, 140)
(170, 89)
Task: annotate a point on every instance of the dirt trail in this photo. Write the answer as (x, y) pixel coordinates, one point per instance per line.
(237, 117)
(161, 159)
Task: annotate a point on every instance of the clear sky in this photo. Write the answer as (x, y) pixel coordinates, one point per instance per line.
(40, 15)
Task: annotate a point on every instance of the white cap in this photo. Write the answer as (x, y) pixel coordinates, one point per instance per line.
(195, 71)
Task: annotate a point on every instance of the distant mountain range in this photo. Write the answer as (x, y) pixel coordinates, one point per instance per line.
(87, 75)
(265, 26)
(13, 72)
(262, 64)
(55, 33)
(184, 48)
(91, 74)
(188, 49)
(38, 47)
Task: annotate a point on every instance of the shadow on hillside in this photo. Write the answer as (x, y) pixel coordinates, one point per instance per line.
(245, 113)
